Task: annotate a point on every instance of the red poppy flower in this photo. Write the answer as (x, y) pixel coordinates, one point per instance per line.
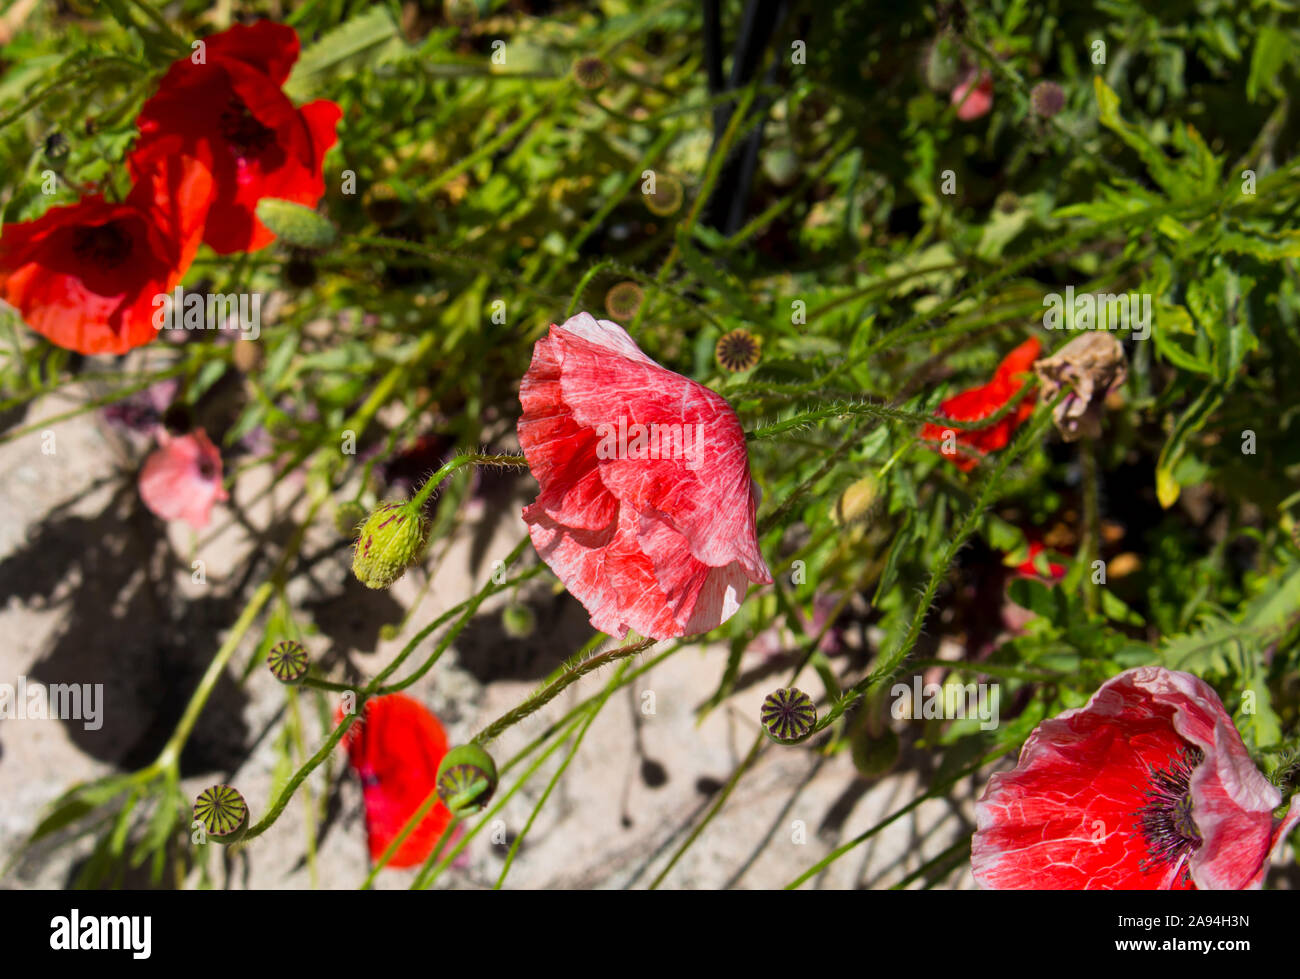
(980, 100)
(230, 109)
(965, 448)
(1028, 569)
(181, 479)
(86, 275)
(646, 509)
(1147, 787)
(395, 749)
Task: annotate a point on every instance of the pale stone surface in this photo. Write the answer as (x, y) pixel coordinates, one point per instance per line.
(93, 593)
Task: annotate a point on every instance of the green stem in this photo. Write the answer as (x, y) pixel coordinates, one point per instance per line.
(554, 689)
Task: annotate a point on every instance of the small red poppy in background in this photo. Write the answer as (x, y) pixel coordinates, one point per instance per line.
(966, 447)
(1028, 569)
(229, 108)
(181, 479)
(395, 748)
(86, 275)
(980, 100)
(1147, 787)
(647, 509)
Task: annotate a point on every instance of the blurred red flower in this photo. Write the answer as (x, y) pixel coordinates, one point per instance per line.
(646, 509)
(395, 748)
(86, 275)
(181, 479)
(965, 448)
(226, 104)
(1147, 787)
(980, 100)
(1028, 569)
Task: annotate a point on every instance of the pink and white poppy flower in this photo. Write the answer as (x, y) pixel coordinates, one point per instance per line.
(647, 509)
(181, 479)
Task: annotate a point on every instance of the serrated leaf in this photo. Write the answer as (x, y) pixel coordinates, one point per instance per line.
(364, 36)
(1272, 51)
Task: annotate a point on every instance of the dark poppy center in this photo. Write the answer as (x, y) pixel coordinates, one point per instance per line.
(1165, 821)
(242, 130)
(105, 246)
(207, 469)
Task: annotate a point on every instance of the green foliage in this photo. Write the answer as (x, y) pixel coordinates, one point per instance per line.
(492, 197)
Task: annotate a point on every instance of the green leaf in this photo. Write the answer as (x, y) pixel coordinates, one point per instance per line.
(1272, 51)
(1191, 422)
(363, 37)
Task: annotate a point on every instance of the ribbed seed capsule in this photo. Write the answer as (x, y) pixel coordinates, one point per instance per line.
(788, 715)
(667, 196)
(467, 778)
(223, 813)
(738, 351)
(590, 73)
(623, 300)
(288, 661)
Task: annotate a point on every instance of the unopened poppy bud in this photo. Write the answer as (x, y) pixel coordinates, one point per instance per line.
(855, 502)
(223, 813)
(390, 540)
(467, 779)
(288, 661)
(874, 754)
(788, 715)
(295, 224)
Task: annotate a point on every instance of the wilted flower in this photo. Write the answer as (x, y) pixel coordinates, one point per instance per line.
(1090, 367)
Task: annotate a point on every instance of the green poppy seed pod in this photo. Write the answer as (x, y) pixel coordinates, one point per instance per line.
(288, 661)
(738, 351)
(667, 197)
(223, 813)
(518, 621)
(390, 540)
(295, 224)
(1047, 99)
(590, 73)
(788, 715)
(467, 779)
(874, 755)
(623, 300)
